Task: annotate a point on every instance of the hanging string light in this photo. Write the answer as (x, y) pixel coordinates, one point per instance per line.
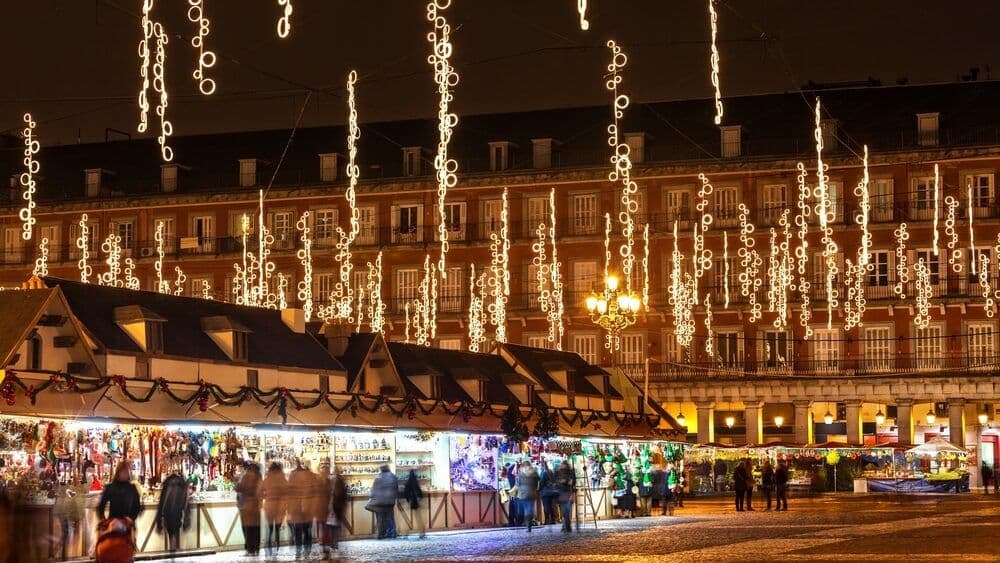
(645, 267)
(160, 87)
(713, 19)
(42, 262)
(854, 274)
(864, 212)
(972, 233)
(83, 245)
(206, 58)
(984, 284)
(607, 244)
(282, 290)
(541, 265)
(285, 20)
(902, 270)
(265, 240)
(924, 294)
(406, 315)
(446, 78)
(242, 281)
(31, 167)
(557, 308)
(376, 307)
(954, 251)
(304, 254)
(785, 268)
(852, 281)
(206, 290)
(162, 286)
(804, 286)
(750, 262)
(581, 9)
(146, 25)
(477, 315)
(179, 281)
(824, 210)
(131, 281)
(937, 206)
(359, 319)
(725, 267)
(112, 248)
(425, 307)
(343, 292)
(709, 338)
(621, 162)
(680, 296)
(499, 275)
(702, 258)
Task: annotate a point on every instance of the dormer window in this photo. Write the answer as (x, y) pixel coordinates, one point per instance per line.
(541, 153)
(732, 142)
(328, 164)
(93, 180)
(143, 326)
(168, 177)
(411, 161)
(229, 335)
(500, 153)
(829, 128)
(927, 129)
(636, 146)
(248, 172)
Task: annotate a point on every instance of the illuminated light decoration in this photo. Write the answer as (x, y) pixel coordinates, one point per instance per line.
(750, 262)
(804, 286)
(855, 303)
(702, 256)
(41, 268)
(376, 307)
(937, 206)
(304, 255)
(131, 281)
(425, 307)
(607, 243)
(725, 267)
(499, 274)
(282, 291)
(343, 294)
(681, 297)
(31, 167)
(622, 164)
(902, 270)
(826, 216)
(581, 9)
(477, 314)
(406, 314)
(265, 240)
(112, 248)
(206, 290)
(972, 233)
(360, 317)
(645, 267)
(924, 294)
(206, 59)
(557, 307)
(984, 284)
(285, 21)
(241, 281)
(954, 252)
(709, 344)
(864, 212)
(541, 264)
(161, 285)
(83, 245)
(160, 87)
(783, 271)
(180, 281)
(713, 19)
(446, 78)
(146, 24)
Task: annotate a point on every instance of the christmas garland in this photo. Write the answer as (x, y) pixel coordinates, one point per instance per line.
(279, 399)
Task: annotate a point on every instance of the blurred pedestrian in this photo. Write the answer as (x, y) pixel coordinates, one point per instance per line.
(680, 481)
(987, 473)
(750, 485)
(658, 481)
(509, 475)
(565, 482)
(172, 510)
(248, 501)
(719, 472)
(740, 484)
(385, 491)
(547, 491)
(121, 498)
(274, 490)
(335, 515)
(627, 501)
(527, 492)
(68, 510)
(302, 499)
(767, 482)
(645, 494)
(412, 493)
(780, 486)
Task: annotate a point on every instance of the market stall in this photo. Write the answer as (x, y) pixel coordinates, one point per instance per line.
(937, 466)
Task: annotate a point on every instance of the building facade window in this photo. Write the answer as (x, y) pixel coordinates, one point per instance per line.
(368, 226)
(726, 206)
(324, 226)
(407, 284)
(407, 223)
(880, 197)
(536, 213)
(877, 348)
(584, 213)
(776, 350)
(322, 287)
(981, 344)
(878, 276)
(633, 350)
(928, 348)
(774, 200)
(982, 190)
(536, 341)
(677, 206)
(826, 350)
(452, 291)
(490, 220)
(729, 349)
(450, 343)
(586, 346)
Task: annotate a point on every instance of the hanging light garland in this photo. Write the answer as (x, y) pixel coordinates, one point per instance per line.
(750, 261)
(83, 244)
(406, 315)
(972, 232)
(622, 164)
(855, 298)
(826, 216)
(112, 248)
(725, 267)
(557, 308)
(162, 286)
(146, 26)
(854, 274)
(265, 240)
(376, 307)
(131, 281)
(282, 291)
(160, 87)
(285, 20)
(206, 58)
(804, 286)
(581, 9)
(499, 274)
(709, 339)
(241, 281)
(446, 78)
(343, 292)
(937, 206)
(645, 267)
(179, 281)
(924, 294)
(41, 268)
(206, 290)
(680, 296)
(984, 284)
(902, 270)
(425, 307)
(702, 256)
(477, 314)
(359, 319)
(607, 244)
(713, 20)
(27, 178)
(304, 254)
(954, 251)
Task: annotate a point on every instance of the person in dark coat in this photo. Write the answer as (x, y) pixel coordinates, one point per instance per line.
(740, 484)
(750, 485)
(565, 484)
(987, 473)
(385, 490)
(248, 501)
(172, 510)
(767, 483)
(120, 496)
(274, 490)
(627, 502)
(659, 479)
(719, 470)
(513, 505)
(527, 492)
(780, 486)
(547, 492)
(413, 493)
(335, 515)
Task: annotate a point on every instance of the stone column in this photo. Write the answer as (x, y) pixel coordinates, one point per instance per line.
(754, 422)
(956, 422)
(803, 422)
(706, 422)
(855, 433)
(904, 421)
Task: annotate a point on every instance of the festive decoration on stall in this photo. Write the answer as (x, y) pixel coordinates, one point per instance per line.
(304, 255)
(41, 268)
(446, 78)
(285, 20)
(513, 426)
(83, 245)
(206, 58)
(27, 178)
(547, 425)
(713, 20)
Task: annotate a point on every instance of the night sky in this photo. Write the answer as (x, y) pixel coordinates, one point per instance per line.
(73, 63)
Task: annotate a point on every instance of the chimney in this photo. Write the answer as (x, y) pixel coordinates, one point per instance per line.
(295, 319)
(541, 152)
(337, 336)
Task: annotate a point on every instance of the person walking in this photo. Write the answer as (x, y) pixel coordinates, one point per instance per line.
(780, 486)
(513, 506)
(767, 483)
(335, 515)
(413, 493)
(248, 502)
(547, 492)
(274, 490)
(68, 510)
(750, 485)
(679, 483)
(986, 472)
(321, 505)
(719, 471)
(740, 484)
(385, 491)
(172, 511)
(565, 485)
(527, 492)
(658, 479)
(302, 493)
(115, 540)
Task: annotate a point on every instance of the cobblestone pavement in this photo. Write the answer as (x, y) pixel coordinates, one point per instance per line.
(886, 528)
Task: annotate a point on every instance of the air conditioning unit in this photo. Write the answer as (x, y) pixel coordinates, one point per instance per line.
(147, 251)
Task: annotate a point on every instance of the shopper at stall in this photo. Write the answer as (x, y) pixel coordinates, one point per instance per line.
(719, 471)
(412, 493)
(781, 486)
(645, 494)
(321, 504)
(680, 481)
(385, 491)
(274, 490)
(335, 514)
(248, 501)
(767, 483)
(527, 492)
(120, 496)
(547, 492)
(627, 501)
(748, 504)
(740, 485)
(301, 502)
(68, 511)
(172, 510)
(513, 505)
(565, 483)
